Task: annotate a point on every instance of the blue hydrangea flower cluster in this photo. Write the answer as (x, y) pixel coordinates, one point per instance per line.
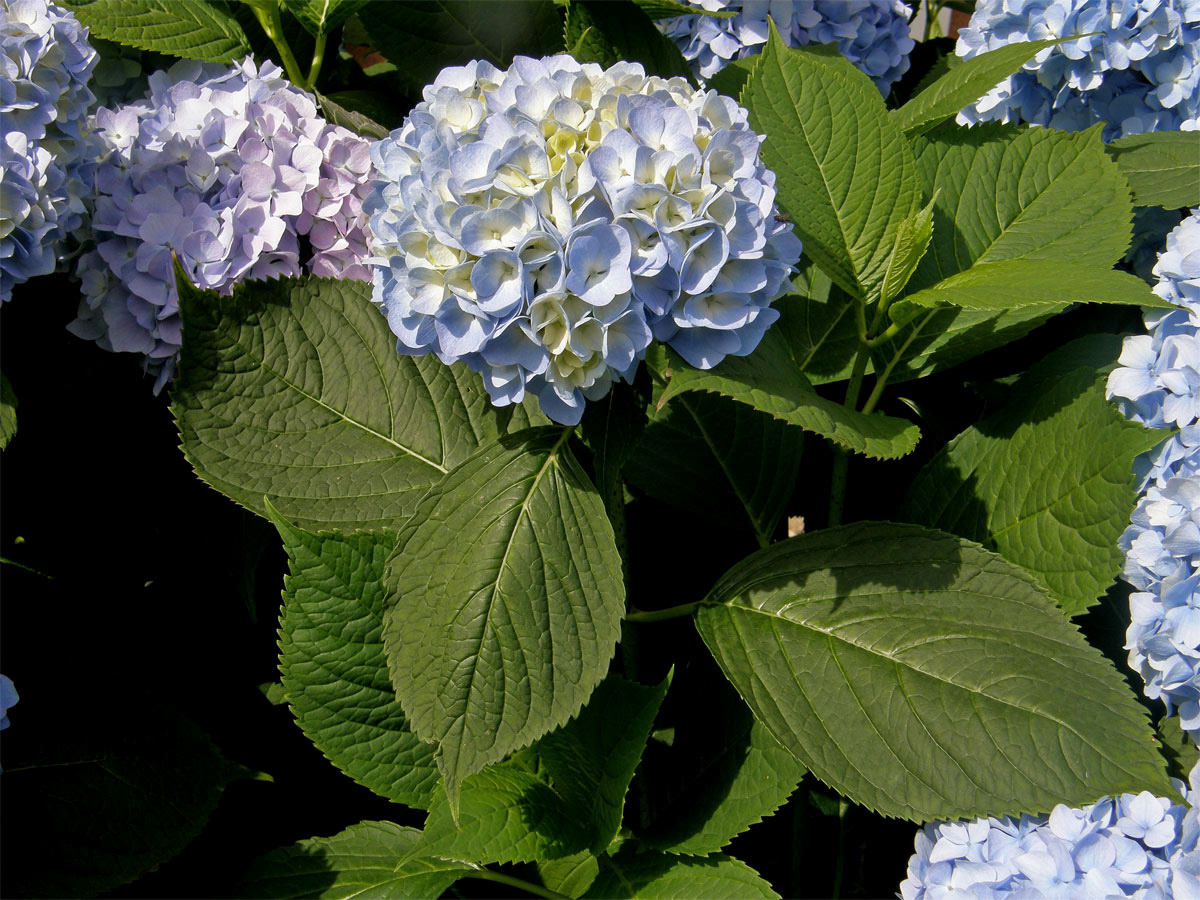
(1158, 384)
(1140, 73)
(8, 699)
(229, 167)
(1136, 845)
(872, 34)
(543, 224)
(46, 62)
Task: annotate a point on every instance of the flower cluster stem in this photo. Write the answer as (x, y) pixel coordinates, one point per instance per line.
(500, 878)
(272, 24)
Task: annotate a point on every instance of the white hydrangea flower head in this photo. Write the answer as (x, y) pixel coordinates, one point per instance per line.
(229, 167)
(1140, 73)
(46, 61)
(543, 224)
(872, 34)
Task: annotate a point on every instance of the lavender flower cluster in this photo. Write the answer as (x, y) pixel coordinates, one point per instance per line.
(229, 167)
(1136, 845)
(543, 224)
(1140, 73)
(872, 34)
(1158, 384)
(46, 61)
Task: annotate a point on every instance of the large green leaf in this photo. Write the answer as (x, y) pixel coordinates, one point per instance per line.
(963, 84)
(1163, 167)
(721, 772)
(362, 861)
(770, 380)
(845, 173)
(322, 16)
(334, 669)
(1015, 283)
(96, 794)
(720, 460)
(1047, 481)
(193, 29)
(925, 677)
(505, 602)
(607, 31)
(562, 796)
(421, 38)
(292, 389)
(646, 875)
(8, 412)
(820, 331)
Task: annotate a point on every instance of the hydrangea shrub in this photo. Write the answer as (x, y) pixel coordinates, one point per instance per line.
(518, 360)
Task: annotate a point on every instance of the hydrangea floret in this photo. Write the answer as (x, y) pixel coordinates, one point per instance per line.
(44, 100)
(1134, 845)
(545, 223)
(228, 166)
(1140, 73)
(872, 34)
(1158, 384)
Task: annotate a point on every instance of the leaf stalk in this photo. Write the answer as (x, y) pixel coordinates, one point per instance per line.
(272, 25)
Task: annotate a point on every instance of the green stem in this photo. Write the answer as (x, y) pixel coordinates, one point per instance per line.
(839, 867)
(933, 28)
(272, 24)
(660, 615)
(881, 381)
(500, 878)
(318, 57)
(841, 456)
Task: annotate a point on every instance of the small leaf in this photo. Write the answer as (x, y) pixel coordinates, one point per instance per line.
(322, 16)
(668, 9)
(925, 677)
(770, 380)
(355, 121)
(333, 664)
(963, 84)
(1163, 167)
(505, 601)
(720, 460)
(8, 412)
(571, 875)
(292, 389)
(193, 29)
(1061, 522)
(362, 861)
(912, 241)
(846, 175)
(647, 875)
(607, 31)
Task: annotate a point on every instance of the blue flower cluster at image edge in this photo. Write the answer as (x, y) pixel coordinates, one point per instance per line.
(544, 224)
(872, 34)
(1140, 73)
(46, 62)
(1158, 384)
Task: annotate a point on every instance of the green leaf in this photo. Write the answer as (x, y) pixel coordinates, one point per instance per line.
(362, 861)
(720, 460)
(422, 38)
(925, 677)
(505, 602)
(193, 29)
(845, 173)
(1162, 167)
(607, 31)
(611, 427)
(8, 412)
(722, 772)
(98, 797)
(912, 241)
(591, 760)
(770, 380)
(571, 875)
(1014, 283)
(1060, 521)
(647, 875)
(360, 124)
(292, 389)
(668, 9)
(820, 331)
(334, 667)
(558, 798)
(1179, 747)
(731, 78)
(322, 16)
(963, 84)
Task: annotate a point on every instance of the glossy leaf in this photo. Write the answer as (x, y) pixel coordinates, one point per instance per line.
(193, 29)
(924, 677)
(1162, 167)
